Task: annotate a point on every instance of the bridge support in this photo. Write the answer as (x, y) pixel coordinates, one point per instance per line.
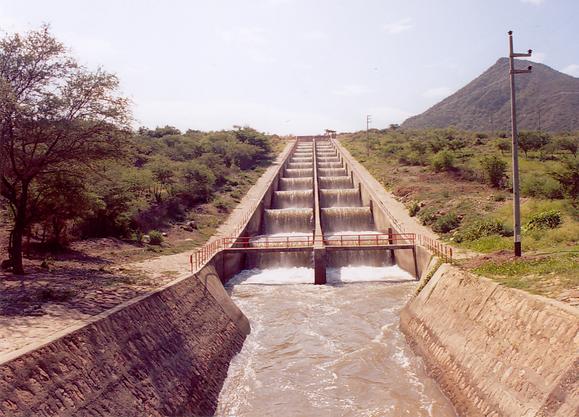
(319, 265)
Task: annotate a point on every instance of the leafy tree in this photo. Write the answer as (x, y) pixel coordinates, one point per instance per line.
(494, 170)
(55, 116)
(568, 177)
(503, 146)
(568, 143)
(532, 141)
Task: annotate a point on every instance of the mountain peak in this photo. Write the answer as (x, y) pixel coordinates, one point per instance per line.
(546, 99)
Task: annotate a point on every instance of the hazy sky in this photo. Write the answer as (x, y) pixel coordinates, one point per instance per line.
(297, 66)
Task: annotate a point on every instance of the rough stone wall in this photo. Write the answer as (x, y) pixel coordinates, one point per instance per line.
(165, 355)
(494, 350)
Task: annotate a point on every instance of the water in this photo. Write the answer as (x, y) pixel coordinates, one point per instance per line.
(332, 172)
(298, 173)
(326, 351)
(347, 197)
(289, 220)
(355, 219)
(289, 184)
(335, 182)
(293, 199)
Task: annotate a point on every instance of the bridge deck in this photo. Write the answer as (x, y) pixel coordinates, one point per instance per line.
(253, 249)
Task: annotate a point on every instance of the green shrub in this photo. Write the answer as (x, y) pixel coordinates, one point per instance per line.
(482, 228)
(443, 161)
(541, 187)
(446, 223)
(155, 237)
(412, 158)
(414, 208)
(549, 219)
(493, 170)
(428, 216)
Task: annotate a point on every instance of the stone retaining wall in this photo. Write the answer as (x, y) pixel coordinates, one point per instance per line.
(494, 350)
(165, 354)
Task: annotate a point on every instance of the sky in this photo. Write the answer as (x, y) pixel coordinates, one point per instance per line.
(297, 66)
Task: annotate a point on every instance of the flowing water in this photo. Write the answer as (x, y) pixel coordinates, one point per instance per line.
(326, 351)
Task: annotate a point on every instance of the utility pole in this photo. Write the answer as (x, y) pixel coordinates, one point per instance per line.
(515, 144)
(368, 120)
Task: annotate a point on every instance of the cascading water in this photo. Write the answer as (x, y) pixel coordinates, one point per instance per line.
(335, 182)
(357, 219)
(289, 220)
(333, 350)
(290, 184)
(294, 173)
(340, 197)
(293, 199)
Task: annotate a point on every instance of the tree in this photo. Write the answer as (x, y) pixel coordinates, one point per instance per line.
(568, 177)
(494, 169)
(56, 118)
(503, 146)
(532, 141)
(568, 143)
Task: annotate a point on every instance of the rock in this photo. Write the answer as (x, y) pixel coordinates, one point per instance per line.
(6, 264)
(44, 265)
(146, 238)
(164, 234)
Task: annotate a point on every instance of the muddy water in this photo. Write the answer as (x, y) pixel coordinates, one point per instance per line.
(331, 350)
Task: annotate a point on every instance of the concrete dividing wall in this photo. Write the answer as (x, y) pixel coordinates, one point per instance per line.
(494, 350)
(164, 354)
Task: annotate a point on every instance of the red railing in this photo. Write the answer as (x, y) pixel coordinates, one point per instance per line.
(440, 249)
(266, 241)
(378, 239)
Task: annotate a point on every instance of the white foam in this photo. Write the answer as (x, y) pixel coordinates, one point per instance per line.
(303, 275)
(391, 273)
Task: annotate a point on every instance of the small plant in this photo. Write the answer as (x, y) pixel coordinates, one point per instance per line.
(482, 228)
(443, 161)
(414, 208)
(446, 223)
(155, 237)
(499, 197)
(549, 219)
(428, 216)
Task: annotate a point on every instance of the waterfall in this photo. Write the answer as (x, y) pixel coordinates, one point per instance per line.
(301, 159)
(291, 184)
(299, 165)
(329, 159)
(342, 258)
(356, 219)
(293, 199)
(330, 165)
(332, 172)
(294, 173)
(335, 182)
(349, 197)
(298, 220)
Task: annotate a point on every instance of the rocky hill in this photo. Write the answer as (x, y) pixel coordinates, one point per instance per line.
(546, 99)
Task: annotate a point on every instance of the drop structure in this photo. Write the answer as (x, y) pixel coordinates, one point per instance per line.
(324, 350)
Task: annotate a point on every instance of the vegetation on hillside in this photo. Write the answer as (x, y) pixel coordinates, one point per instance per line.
(459, 184)
(71, 167)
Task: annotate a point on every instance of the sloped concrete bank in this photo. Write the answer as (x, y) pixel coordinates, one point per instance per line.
(163, 354)
(494, 350)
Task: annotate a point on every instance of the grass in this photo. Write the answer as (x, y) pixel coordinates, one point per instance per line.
(544, 275)
(461, 191)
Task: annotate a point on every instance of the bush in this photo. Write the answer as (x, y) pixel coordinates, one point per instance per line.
(155, 237)
(446, 223)
(443, 161)
(541, 187)
(493, 170)
(428, 216)
(568, 177)
(414, 208)
(482, 228)
(549, 219)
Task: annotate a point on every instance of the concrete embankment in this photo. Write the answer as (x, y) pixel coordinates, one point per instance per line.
(494, 350)
(163, 354)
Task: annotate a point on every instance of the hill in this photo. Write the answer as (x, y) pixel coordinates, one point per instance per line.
(546, 99)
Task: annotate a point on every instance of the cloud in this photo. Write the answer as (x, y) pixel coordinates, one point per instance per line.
(535, 2)
(351, 90)
(572, 69)
(399, 26)
(538, 57)
(437, 92)
(315, 35)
